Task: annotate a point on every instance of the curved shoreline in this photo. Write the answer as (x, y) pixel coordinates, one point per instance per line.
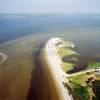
(55, 67)
(4, 57)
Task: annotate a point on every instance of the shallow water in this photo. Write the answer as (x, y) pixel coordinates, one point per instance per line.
(82, 29)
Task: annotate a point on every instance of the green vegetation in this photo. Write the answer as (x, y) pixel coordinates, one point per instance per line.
(79, 86)
(67, 66)
(95, 98)
(81, 89)
(81, 92)
(94, 65)
(96, 89)
(78, 79)
(64, 51)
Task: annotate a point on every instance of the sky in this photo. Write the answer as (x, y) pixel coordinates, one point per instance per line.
(49, 6)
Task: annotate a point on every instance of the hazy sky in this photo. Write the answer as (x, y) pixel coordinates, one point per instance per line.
(49, 6)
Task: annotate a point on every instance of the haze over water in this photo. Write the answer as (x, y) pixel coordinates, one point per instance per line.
(82, 29)
(85, 26)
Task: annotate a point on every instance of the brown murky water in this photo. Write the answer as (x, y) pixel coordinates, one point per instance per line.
(22, 76)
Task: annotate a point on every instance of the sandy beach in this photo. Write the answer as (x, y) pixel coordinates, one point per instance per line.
(55, 67)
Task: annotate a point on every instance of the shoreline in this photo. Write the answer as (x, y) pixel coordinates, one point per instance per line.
(54, 66)
(4, 57)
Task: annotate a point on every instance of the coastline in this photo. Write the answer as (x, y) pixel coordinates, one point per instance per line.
(55, 67)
